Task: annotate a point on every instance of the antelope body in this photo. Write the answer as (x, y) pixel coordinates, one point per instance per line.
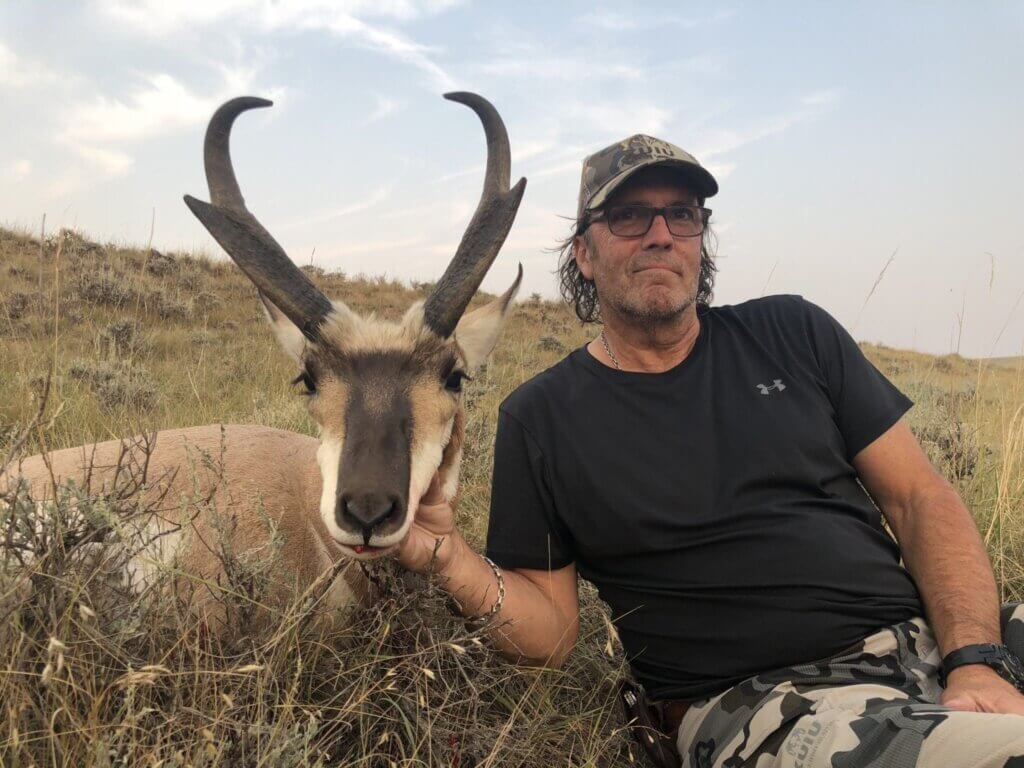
(385, 395)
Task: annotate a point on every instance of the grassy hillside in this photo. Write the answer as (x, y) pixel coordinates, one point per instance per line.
(134, 340)
(1011, 363)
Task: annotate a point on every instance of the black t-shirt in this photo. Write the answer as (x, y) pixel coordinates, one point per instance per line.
(714, 505)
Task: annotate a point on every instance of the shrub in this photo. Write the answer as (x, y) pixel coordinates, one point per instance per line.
(312, 271)
(550, 344)
(191, 280)
(207, 301)
(116, 383)
(104, 286)
(123, 339)
(71, 244)
(17, 305)
(160, 264)
(941, 426)
(167, 307)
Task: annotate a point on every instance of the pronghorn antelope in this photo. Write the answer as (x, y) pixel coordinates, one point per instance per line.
(385, 395)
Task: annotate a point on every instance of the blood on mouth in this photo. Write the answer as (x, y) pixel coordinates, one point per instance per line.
(361, 548)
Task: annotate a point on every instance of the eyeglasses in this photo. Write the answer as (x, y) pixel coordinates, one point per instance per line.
(636, 220)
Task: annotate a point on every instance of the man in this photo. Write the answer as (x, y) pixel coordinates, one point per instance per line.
(709, 470)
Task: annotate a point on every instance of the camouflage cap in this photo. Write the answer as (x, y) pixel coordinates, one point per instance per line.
(606, 170)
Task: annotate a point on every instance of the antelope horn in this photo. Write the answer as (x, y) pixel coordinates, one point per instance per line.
(243, 237)
(487, 229)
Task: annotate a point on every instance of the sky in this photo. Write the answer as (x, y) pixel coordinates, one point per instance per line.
(869, 155)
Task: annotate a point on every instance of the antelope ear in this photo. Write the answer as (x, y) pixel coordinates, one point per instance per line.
(287, 333)
(478, 331)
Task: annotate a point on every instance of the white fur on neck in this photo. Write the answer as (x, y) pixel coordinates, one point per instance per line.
(328, 457)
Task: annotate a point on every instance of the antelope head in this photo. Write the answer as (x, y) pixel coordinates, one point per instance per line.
(386, 396)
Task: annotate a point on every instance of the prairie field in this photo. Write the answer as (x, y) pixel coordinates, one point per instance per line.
(101, 341)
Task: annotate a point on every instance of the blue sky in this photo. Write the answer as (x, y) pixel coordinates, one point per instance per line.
(840, 133)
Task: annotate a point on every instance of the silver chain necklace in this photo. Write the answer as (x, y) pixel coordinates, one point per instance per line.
(608, 350)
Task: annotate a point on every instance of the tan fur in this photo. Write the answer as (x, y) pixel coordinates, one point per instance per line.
(198, 472)
(347, 332)
(198, 476)
(248, 467)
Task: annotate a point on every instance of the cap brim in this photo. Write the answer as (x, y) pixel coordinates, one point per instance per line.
(700, 179)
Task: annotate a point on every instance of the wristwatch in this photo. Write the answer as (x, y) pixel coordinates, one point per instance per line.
(998, 657)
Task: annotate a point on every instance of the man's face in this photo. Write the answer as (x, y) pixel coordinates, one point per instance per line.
(653, 278)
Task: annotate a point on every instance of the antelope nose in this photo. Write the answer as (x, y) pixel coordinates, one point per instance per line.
(369, 511)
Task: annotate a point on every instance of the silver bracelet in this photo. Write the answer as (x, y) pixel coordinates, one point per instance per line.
(479, 622)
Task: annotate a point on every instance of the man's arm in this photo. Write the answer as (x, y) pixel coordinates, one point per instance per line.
(944, 553)
(539, 618)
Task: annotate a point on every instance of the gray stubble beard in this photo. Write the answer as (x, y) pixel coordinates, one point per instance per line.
(648, 316)
(651, 316)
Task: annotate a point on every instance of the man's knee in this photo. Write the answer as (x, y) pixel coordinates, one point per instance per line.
(975, 740)
(899, 734)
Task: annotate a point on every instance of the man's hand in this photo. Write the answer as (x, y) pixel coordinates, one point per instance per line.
(977, 688)
(435, 520)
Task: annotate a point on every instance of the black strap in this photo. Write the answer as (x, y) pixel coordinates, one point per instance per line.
(997, 657)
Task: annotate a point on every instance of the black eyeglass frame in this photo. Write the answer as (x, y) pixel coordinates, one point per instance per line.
(601, 214)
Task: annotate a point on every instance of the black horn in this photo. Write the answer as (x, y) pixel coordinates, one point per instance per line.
(486, 231)
(243, 237)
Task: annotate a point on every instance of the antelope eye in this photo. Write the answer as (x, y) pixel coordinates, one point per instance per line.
(453, 383)
(307, 381)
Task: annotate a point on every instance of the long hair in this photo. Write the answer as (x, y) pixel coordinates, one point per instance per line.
(581, 293)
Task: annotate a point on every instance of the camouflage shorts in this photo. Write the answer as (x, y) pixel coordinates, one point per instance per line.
(875, 704)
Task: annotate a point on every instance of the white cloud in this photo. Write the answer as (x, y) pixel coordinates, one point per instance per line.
(67, 182)
(520, 154)
(703, 64)
(476, 170)
(159, 105)
(426, 211)
(375, 198)
(824, 98)
(109, 162)
(157, 18)
(719, 169)
(342, 18)
(614, 21)
(383, 108)
(380, 246)
(96, 128)
(529, 150)
(17, 72)
(621, 118)
(554, 170)
(161, 17)
(19, 169)
(388, 42)
(722, 142)
(572, 68)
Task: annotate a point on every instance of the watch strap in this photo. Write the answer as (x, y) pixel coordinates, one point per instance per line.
(996, 657)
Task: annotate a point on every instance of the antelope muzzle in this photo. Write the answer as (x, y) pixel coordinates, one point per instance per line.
(373, 477)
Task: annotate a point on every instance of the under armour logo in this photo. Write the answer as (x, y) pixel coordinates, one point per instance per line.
(778, 386)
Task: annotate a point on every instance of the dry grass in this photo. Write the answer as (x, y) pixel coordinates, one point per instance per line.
(133, 340)
(95, 676)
